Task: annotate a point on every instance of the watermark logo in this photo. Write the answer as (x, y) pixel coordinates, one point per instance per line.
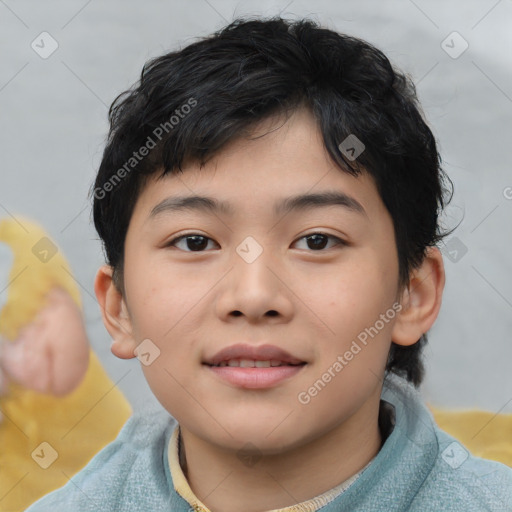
(249, 455)
(454, 249)
(44, 45)
(147, 352)
(45, 455)
(454, 455)
(44, 250)
(454, 45)
(249, 250)
(351, 147)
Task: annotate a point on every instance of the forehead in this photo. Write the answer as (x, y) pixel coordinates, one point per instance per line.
(283, 167)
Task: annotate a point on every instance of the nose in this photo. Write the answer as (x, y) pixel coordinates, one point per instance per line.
(255, 289)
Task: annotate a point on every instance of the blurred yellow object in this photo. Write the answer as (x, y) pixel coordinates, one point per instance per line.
(484, 434)
(45, 440)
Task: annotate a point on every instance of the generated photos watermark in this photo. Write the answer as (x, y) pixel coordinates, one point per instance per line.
(337, 366)
(157, 135)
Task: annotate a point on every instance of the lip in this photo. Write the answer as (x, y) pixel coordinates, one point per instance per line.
(253, 377)
(256, 353)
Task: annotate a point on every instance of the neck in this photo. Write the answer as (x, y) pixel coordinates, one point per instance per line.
(219, 479)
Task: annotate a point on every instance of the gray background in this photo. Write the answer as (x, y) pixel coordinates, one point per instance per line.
(54, 119)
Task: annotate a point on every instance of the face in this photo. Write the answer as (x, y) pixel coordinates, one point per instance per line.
(312, 282)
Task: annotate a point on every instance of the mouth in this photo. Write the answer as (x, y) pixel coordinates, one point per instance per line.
(245, 355)
(254, 367)
(254, 363)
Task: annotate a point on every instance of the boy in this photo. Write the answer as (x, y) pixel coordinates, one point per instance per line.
(290, 365)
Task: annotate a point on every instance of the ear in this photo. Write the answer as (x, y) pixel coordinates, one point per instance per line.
(421, 301)
(115, 314)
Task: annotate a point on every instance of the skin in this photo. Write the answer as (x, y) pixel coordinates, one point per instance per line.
(311, 302)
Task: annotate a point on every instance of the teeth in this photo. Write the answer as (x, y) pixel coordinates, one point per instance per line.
(249, 363)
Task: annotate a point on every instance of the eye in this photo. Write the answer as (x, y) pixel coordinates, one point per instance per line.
(318, 241)
(194, 242)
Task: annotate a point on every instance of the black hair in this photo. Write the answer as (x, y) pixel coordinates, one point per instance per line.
(189, 103)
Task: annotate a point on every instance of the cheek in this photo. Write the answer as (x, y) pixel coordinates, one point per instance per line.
(159, 295)
(349, 300)
(166, 306)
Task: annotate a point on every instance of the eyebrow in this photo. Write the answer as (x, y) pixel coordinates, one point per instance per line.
(294, 203)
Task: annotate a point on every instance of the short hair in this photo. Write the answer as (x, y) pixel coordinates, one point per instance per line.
(189, 103)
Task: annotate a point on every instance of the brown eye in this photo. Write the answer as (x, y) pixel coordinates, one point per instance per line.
(193, 242)
(318, 241)
(196, 242)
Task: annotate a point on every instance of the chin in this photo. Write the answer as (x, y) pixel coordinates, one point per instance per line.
(261, 437)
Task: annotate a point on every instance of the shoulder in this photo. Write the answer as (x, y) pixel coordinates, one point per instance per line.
(461, 481)
(128, 470)
(454, 480)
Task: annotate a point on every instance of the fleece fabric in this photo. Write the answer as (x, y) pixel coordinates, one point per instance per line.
(419, 468)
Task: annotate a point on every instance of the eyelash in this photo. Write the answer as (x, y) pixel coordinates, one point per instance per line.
(339, 241)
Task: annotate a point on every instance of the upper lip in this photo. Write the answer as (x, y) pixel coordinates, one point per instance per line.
(253, 353)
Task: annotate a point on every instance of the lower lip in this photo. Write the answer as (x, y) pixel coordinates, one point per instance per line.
(255, 378)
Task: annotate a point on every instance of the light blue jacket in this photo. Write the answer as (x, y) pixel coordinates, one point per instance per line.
(419, 468)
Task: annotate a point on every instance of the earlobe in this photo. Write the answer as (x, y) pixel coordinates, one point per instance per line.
(421, 301)
(114, 313)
